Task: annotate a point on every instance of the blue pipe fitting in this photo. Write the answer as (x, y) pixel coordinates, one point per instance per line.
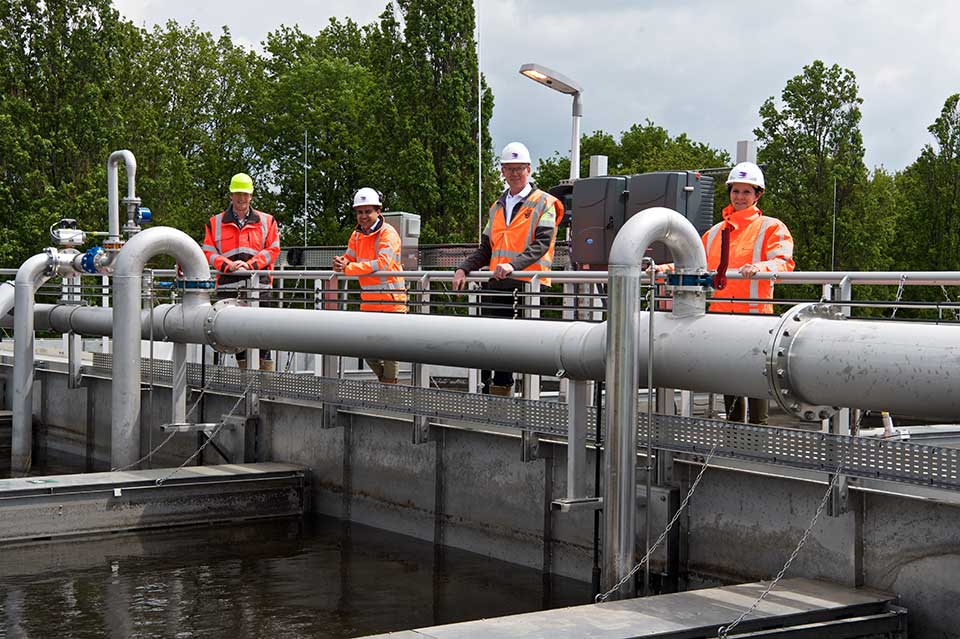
(703, 279)
(196, 284)
(145, 215)
(89, 260)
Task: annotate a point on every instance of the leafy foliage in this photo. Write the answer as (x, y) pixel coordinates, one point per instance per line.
(641, 149)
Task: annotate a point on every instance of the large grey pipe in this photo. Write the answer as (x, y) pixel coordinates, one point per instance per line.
(128, 273)
(30, 276)
(904, 368)
(623, 371)
(113, 189)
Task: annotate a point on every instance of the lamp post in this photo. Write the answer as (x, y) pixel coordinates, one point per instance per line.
(558, 82)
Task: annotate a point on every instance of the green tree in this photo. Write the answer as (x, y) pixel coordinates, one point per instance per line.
(813, 151)
(641, 148)
(61, 108)
(435, 80)
(929, 228)
(192, 122)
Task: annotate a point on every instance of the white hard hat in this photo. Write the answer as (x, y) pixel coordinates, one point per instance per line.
(746, 173)
(515, 153)
(366, 197)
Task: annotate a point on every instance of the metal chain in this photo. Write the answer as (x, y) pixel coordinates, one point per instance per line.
(724, 631)
(164, 442)
(903, 281)
(673, 520)
(949, 301)
(253, 378)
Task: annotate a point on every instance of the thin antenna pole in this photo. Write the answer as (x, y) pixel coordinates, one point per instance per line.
(479, 131)
(304, 187)
(833, 239)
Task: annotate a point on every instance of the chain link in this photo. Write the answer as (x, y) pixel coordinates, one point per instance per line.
(949, 301)
(903, 281)
(673, 520)
(724, 631)
(243, 396)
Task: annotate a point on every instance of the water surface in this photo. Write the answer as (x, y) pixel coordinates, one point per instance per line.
(285, 579)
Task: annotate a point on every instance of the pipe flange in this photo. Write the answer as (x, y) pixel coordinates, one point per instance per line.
(778, 353)
(211, 320)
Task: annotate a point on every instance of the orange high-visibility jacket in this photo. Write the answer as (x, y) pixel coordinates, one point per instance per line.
(257, 242)
(754, 239)
(509, 241)
(371, 255)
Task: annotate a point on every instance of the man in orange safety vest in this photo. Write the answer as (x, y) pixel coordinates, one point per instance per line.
(372, 252)
(518, 240)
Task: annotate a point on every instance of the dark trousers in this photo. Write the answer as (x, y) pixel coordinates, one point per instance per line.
(503, 301)
(759, 409)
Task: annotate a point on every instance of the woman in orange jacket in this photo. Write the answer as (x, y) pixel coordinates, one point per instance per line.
(755, 243)
(749, 242)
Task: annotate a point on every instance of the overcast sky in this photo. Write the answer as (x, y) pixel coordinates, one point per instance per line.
(699, 67)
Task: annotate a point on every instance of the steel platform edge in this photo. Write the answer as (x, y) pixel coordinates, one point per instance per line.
(53, 506)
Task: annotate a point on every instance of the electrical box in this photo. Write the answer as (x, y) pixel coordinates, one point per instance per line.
(601, 206)
(407, 226)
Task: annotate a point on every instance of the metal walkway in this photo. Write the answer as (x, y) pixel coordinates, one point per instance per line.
(798, 608)
(64, 505)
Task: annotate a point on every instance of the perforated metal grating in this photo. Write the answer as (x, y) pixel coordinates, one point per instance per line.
(855, 456)
(868, 458)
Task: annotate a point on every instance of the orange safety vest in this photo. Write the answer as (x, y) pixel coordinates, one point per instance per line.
(508, 241)
(257, 242)
(754, 239)
(370, 256)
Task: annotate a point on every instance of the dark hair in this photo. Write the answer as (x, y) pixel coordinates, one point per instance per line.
(756, 189)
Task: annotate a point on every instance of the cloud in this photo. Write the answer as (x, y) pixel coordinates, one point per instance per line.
(699, 67)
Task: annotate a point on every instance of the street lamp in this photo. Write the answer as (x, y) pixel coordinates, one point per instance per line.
(558, 82)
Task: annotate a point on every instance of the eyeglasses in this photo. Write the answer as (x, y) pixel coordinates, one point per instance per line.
(515, 170)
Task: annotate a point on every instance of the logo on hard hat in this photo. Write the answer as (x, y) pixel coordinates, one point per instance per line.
(515, 154)
(742, 173)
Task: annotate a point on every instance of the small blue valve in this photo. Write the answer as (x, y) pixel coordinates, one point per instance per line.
(89, 260)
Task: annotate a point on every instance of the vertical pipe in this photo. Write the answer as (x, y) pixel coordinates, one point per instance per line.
(622, 372)
(619, 505)
(125, 400)
(31, 275)
(113, 190)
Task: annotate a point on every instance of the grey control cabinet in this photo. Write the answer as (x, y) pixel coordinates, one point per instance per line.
(601, 205)
(408, 227)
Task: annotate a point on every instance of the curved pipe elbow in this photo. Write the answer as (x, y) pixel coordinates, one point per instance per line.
(162, 241)
(659, 224)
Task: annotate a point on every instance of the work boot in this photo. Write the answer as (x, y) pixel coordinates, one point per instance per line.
(502, 391)
(266, 364)
(385, 380)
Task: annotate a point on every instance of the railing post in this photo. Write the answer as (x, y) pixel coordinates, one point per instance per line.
(531, 383)
(420, 373)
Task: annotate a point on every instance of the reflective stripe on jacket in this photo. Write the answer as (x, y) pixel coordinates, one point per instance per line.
(754, 239)
(257, 242)
(509, 241)
(371, 256)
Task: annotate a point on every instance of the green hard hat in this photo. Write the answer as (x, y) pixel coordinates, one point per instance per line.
(241, 183)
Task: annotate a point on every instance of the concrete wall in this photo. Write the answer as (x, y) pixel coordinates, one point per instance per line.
(468, 488)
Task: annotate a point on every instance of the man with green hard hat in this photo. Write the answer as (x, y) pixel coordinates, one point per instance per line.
(240, 239)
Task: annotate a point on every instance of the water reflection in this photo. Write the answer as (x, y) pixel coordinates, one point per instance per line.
(319, 578)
